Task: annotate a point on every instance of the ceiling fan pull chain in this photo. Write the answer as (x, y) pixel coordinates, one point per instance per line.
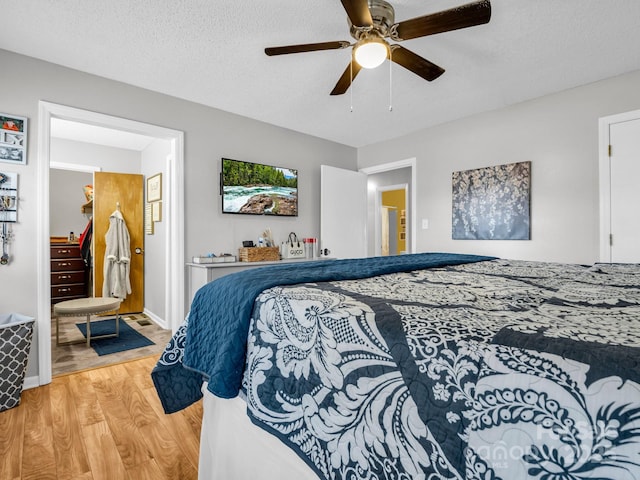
(390, 82)
(351, 84)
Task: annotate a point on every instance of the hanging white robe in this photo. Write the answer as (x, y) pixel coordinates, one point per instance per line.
(117, 258)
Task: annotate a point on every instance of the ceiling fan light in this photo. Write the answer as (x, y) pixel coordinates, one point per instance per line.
(371, 53)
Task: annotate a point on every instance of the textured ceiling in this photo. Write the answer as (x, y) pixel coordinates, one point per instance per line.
(212, 52)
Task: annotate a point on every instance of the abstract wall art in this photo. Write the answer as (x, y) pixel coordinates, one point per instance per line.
(492, 203)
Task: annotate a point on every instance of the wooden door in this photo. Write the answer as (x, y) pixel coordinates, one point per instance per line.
(124, 191)
(624, 138)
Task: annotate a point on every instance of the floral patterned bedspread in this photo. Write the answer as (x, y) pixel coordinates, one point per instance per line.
(492, 370)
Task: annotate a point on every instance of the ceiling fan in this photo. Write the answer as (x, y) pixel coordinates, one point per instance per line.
(373, 21)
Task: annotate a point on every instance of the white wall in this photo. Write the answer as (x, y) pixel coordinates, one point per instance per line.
(212, 231)
(66, 196)
(557, 133)
(209, 135)
(154, 161)
(66, 193)
(109, 159)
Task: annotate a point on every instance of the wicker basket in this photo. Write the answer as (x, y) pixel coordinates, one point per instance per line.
(259, 254)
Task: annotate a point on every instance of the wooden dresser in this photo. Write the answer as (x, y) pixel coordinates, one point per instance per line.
(68, 275)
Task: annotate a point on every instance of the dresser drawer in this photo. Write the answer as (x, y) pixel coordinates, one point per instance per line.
(77, 290)
(65, 251)
(68, 272)
(67, 265)
(59, 278)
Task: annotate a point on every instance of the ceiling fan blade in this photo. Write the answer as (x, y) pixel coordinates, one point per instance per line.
(464, 16)
(307, 47)
(347, 78)
(358, 12)
(415, 63)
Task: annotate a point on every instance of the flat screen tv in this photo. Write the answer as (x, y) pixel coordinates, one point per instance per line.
(257, 189)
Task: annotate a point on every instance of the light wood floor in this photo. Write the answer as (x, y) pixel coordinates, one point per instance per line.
(105, 423)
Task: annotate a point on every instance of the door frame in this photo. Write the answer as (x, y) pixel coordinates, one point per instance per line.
(604, 130)
(386, 167)
(174, 215)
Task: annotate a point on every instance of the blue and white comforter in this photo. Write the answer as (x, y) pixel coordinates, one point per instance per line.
(490, 370)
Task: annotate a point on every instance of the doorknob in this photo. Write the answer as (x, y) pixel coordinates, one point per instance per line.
(138, 250)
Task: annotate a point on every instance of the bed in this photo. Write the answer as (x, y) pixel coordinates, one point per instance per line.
(425, 366)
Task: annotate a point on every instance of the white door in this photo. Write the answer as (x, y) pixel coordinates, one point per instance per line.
(343, 212)
(624, 138)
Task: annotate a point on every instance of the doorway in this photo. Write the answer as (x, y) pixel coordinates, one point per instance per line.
(392, 205)
(340, 187)
(77, 208)
(173, 268)
(399, 175)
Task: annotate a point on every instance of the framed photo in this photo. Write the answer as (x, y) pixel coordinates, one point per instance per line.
(13, 139)
(154, 188)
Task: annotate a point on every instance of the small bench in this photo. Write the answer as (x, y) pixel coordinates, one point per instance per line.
(87, 306)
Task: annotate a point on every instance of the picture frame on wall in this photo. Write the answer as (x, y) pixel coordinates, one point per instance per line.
(492, 203)
(13, 139)
(154, 188)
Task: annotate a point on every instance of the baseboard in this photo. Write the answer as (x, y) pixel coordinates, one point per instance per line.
(156, 319)
(31, 382)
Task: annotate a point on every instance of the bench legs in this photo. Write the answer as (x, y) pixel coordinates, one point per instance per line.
(89, 337)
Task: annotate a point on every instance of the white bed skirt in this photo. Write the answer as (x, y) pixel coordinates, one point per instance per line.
(233, 448)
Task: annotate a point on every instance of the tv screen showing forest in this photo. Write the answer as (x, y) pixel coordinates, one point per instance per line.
(257, 189)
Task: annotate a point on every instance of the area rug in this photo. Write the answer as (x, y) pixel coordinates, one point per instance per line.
(129, 338)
